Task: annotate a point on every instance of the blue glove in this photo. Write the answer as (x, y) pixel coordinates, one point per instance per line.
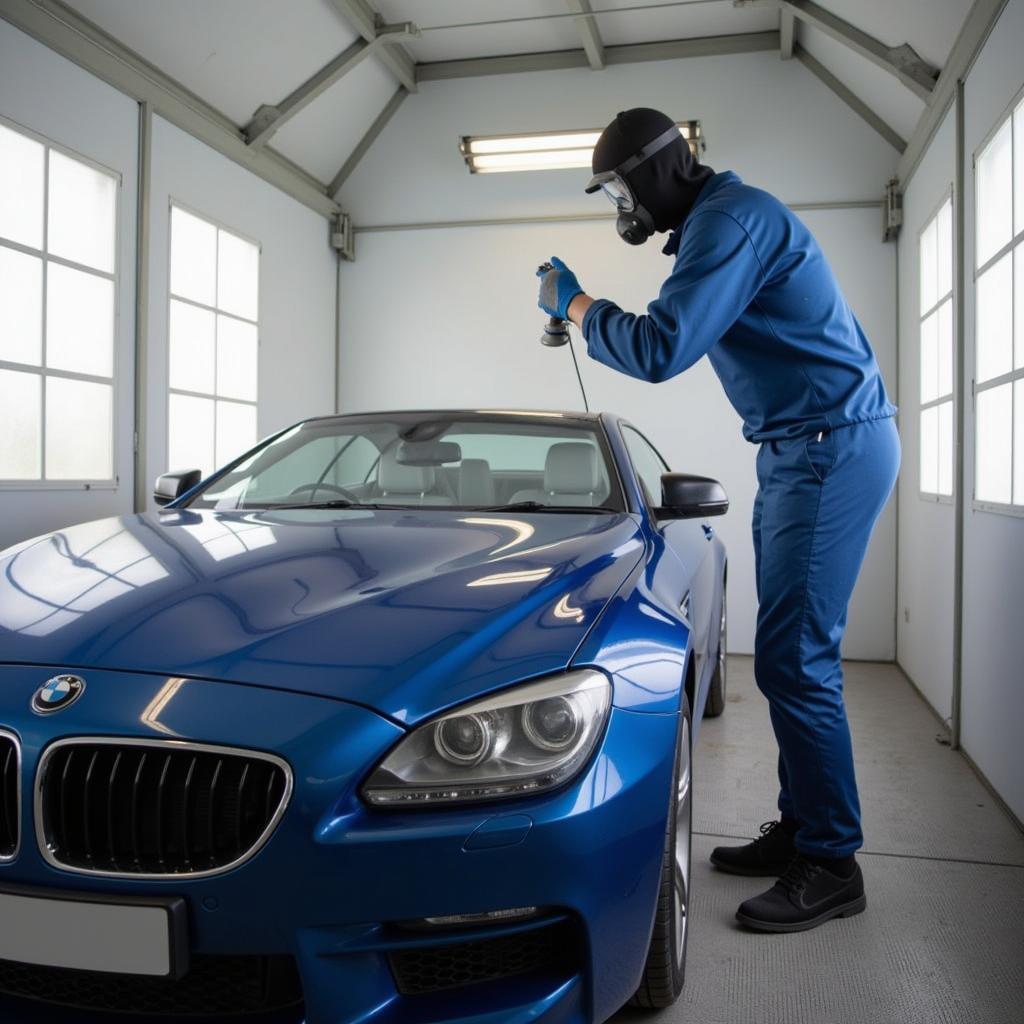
(558, 288)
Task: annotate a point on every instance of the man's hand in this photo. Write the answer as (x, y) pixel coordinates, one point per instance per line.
(558, 287)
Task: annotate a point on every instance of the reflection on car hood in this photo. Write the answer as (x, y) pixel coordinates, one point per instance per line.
(406, 611)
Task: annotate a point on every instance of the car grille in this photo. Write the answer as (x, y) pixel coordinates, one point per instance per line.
(140, 808)
(434, 968)
(215, 986)
(9, 802)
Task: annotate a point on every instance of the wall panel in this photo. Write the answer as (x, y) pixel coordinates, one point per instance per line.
(466, 330)
(53, 97)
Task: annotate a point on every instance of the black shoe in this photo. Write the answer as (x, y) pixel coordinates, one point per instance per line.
(805, 896)
(767, 855)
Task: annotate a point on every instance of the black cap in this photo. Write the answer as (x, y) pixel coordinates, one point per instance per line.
(629, 132)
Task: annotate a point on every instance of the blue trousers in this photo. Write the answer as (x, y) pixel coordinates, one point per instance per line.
(816, 505)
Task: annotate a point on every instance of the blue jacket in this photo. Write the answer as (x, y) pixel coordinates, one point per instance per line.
(751, 290)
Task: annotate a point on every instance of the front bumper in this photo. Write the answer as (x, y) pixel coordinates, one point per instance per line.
(337, 879)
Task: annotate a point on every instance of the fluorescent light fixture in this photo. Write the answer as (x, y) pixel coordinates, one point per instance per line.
(492, 154)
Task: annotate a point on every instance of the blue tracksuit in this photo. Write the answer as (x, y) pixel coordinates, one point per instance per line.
(751, 289)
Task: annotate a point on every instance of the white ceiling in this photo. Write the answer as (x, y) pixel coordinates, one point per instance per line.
(930, 26)
(321, 137)
(896, 104)
(239, 54)
(235, 54)
(640, 26)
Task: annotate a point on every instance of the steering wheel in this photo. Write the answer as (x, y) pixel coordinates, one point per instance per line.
(313, 488)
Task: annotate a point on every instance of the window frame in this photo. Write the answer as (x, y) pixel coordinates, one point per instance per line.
(172, 203)
(1010, 249)
(934, 497)
(113, 482)
(618, 493)
(625, 426)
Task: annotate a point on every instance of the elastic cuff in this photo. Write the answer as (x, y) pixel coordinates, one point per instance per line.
(588, 316)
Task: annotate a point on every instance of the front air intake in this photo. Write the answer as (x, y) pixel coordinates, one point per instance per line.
(434, 968)
(143, 808)
(10, 787)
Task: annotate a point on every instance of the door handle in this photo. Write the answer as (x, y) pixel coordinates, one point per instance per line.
(709, 531)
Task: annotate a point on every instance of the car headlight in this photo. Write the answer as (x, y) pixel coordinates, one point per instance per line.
(517, 743)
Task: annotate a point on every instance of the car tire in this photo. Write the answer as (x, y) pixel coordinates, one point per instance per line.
(665, 967)
(716, 692)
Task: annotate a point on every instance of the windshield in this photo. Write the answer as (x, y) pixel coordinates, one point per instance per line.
(474, 461)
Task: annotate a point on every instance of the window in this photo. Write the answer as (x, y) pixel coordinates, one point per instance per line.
(213, 343)
(417, 459)
(649, 465)
(999, 304)
(58, 280)
(935, 256)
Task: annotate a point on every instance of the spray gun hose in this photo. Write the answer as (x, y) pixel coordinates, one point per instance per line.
(556, 333)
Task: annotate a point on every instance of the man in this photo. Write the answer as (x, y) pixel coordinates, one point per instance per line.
(751, 290)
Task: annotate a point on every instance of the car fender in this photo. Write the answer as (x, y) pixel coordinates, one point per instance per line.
(643, 638)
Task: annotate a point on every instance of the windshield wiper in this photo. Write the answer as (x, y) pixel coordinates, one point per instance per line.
(540, 506)
(331, 503)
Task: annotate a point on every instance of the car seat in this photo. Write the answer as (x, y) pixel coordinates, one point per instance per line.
(476, 483)
(572, 476)
(405, 483)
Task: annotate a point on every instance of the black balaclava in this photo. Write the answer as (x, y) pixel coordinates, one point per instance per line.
(667, 183)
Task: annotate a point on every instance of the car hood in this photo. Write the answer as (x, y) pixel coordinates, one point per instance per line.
(408, 612)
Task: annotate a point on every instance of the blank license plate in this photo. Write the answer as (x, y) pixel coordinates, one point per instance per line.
(93, 933)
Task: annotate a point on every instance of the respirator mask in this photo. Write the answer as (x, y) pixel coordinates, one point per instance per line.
(634, 222)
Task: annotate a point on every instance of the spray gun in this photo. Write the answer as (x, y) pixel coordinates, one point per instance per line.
(556, 334)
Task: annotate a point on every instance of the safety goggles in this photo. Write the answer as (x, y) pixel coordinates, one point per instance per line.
(613, 183)
(616, 188)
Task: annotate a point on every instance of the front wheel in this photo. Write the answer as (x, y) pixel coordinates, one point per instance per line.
(665, 969)
(716, 692)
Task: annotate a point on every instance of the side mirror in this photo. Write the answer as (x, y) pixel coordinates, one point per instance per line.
(174, 485)
(685, 496)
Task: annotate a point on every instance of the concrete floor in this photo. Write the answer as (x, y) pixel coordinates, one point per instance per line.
(942, 940)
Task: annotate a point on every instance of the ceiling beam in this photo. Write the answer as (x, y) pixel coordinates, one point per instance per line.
(787, 33)
(269, 118)
(367, 22)
(367, 140)
(851, 99)
(79, 40)
(976, 28)
(634, 53)
(902, 61)
(586, 25)
(575, 218)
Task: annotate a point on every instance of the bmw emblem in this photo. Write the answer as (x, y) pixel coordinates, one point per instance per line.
(57, 693)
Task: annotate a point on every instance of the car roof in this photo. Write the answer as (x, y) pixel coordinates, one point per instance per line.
(587, 417)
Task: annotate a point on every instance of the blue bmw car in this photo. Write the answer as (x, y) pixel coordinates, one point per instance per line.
(389, 721)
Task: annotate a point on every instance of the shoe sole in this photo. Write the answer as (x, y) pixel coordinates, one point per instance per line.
(765, 871)
(850, 909)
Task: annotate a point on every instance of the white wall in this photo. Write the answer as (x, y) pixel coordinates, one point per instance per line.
(770, 120)
(297, 361)
(992, 708)
(924, 603)
(465, 330)
(466, 335)
(993, 676)
(55, 98)
(297, 282)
